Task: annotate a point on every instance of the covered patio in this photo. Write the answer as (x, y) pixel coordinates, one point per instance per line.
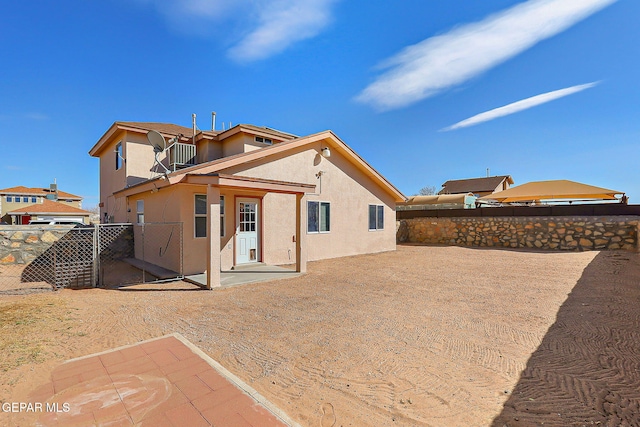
(246, 274)
(213, 277)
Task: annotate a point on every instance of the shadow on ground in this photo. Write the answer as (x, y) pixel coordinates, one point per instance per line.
(586, 371)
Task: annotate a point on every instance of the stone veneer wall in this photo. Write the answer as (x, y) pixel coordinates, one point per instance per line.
(23, 244)
(553, 233)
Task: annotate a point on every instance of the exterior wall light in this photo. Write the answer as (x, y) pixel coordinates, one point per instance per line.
(326, 153)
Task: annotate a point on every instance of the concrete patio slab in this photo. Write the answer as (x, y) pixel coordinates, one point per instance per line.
(246, 274)
(165, 381)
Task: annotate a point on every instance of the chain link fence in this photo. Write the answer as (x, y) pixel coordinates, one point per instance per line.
(36, 258)
(155, 253)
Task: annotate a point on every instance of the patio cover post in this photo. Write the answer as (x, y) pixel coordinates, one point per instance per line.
(213, 237)
(301, 235)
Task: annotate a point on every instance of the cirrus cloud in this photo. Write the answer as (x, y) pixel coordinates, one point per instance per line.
(271, 26)
(517, 106)
(281, 24)
(438, 63)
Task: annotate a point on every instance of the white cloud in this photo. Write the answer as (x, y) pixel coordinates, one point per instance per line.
(194, 16)
(36, 116)
(271, 25)
(192, 9)
(519, 106)
(437, 63)
(280, 24)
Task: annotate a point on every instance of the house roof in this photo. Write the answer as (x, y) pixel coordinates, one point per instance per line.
(49, 207)
(169, 130)
(555, 189)
(257, 129)
(36, 191)
(327, 137)
(474, 185)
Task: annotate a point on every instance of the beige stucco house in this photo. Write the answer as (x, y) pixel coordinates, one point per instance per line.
(247, 194)
(19, 205)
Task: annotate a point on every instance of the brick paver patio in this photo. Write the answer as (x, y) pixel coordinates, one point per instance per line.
(161, 382)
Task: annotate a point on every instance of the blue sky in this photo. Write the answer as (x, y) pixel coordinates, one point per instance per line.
(425, 91)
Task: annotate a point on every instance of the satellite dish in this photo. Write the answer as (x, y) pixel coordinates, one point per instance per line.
(157, 141)
(159, 145)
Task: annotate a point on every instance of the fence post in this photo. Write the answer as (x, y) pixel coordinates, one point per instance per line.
(96, 256)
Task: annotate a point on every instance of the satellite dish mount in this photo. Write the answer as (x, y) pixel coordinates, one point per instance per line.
(157, 141)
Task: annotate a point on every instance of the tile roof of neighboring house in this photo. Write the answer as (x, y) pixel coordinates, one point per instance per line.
(474, 185)
(49, 207)
(35, 191)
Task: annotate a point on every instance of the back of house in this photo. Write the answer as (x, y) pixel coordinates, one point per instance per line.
(268, 185)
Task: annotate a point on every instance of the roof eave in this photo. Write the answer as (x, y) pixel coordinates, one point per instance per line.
(242, 158)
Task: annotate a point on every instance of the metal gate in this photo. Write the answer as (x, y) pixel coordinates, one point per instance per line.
(105, 255)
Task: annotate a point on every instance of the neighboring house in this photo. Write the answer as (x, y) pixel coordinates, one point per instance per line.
(477, 186)
(49, 210)
(17, 202)
(268, 196)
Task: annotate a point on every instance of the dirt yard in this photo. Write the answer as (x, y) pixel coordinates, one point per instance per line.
(423, 336)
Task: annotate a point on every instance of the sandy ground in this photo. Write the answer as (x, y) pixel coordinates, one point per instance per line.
(423, 336)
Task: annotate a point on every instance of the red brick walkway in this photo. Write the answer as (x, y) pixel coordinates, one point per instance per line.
(162, 382)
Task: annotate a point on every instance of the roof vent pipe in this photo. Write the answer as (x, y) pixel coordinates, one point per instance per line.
(213, 120)
(193, 124)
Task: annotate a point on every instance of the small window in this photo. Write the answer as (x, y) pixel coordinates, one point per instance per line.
(376, 217)
(200, 217)
(263, 140)
(9, 199)
(222, 221)
(140, 211)
(318, 217)
(25, 200)
(118, 154)
(34, 200)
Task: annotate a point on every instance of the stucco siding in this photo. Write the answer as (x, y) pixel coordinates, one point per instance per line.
(111, 180)
(349, 193)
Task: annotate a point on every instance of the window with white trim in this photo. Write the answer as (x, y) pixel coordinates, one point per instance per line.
(264, 140)
(318, 217)
(200, 211)
(376, 217)
(140, 211)
(200, 215)
(10, 199)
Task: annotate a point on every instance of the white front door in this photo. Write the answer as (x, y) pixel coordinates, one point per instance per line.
(247, 231)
